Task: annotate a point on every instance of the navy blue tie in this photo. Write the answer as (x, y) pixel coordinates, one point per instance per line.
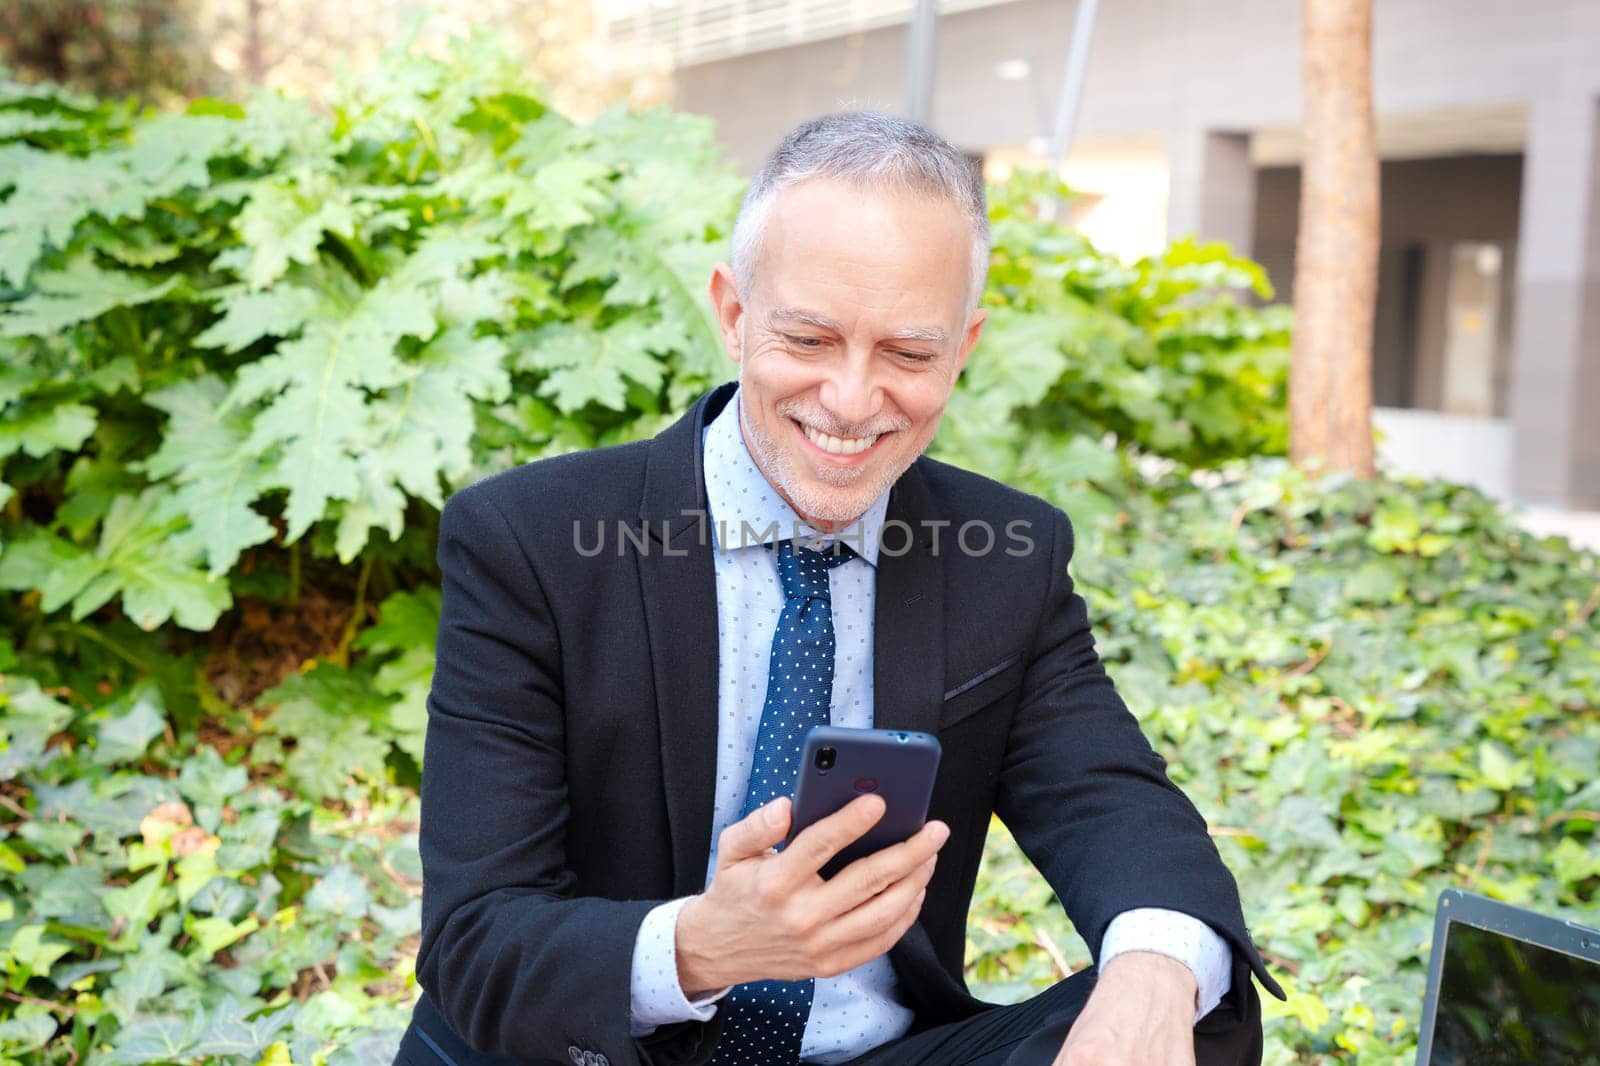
(767, 1019)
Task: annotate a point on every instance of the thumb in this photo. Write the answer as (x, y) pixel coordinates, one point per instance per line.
(757, 831)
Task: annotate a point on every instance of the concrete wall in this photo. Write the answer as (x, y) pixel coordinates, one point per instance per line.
(1472, 451)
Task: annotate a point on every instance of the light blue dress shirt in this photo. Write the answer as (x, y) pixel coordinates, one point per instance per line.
(857, 1010)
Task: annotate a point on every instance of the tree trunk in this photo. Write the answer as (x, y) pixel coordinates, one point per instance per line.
(1336, 258)
(255, 67)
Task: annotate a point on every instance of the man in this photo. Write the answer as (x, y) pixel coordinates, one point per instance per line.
(603, 883)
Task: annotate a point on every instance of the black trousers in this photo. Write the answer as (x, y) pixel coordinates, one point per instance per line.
(1022, 1034)
(1031, 1033)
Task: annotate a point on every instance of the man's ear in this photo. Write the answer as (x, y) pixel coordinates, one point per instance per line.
(729, 308)
(969, 340)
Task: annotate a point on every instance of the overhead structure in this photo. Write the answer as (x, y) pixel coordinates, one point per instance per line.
(920, 44)
(1072, 82)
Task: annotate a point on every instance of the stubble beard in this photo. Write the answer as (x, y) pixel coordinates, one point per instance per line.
(845, 494)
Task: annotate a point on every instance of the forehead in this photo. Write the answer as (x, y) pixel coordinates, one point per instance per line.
(846, 246)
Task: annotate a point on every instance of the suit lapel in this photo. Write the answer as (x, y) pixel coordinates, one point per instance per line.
(678, 586)
(909, 612)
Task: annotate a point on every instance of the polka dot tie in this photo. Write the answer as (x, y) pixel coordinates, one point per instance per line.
(767, 1019)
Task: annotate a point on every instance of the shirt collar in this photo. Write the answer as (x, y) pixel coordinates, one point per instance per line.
(747, 512)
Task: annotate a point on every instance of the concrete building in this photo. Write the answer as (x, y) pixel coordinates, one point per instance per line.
(1487, 345)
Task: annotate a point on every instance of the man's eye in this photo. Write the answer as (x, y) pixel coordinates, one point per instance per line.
(917, 357)
(809, 343)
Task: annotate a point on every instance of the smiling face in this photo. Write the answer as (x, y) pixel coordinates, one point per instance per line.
(849, 341)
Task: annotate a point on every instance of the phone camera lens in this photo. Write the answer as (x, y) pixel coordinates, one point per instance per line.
(826, 757)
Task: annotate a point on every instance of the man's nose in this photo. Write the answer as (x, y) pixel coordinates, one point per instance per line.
(852, 394)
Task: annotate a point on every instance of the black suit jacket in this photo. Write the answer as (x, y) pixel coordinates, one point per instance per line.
(571, 745)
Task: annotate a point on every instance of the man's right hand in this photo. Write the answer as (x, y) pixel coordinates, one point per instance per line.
(769, 915)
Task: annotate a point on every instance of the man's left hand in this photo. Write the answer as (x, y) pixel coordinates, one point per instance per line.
(1141, 1013)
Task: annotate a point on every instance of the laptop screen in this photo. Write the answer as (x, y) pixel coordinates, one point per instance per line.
(1506, 1002)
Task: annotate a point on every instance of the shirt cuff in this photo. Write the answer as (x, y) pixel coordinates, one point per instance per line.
(656, 997)
(1177, 936)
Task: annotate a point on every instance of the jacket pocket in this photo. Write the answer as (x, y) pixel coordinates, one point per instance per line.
(981, 689)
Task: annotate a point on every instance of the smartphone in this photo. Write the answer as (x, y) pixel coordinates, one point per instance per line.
(839, 764)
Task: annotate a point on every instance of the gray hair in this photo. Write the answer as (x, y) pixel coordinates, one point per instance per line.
(868, 149)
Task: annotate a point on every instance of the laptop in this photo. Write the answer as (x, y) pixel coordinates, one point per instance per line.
(1508, 987)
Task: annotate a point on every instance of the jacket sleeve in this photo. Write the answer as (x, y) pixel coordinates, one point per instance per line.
(1089, 800)
(516, 963)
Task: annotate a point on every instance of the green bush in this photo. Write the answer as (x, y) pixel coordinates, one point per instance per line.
(239, 341)
(1079, 346)
(1373, 691)
(229, 328)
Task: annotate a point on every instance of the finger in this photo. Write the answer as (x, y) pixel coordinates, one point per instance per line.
(872, 874)
(902, 926)
(755, 833)
(868, 921)
(883, 932)
(816, 844)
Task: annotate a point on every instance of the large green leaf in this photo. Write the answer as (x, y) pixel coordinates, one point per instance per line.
(134, 559)
(38, 427)
(420, 432)
(406, 629)
(76, 294)
(284, 220)
(250, 314)
(29, 720)
(318, 386)
(583, 365)
(216, 477)
(52, 194)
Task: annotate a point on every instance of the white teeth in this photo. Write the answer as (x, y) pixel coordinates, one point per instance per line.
(839, 445)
